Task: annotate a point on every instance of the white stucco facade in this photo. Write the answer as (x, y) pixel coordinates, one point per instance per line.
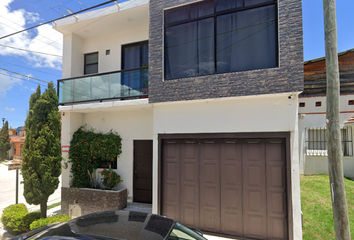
(144, 121)
(311, 116)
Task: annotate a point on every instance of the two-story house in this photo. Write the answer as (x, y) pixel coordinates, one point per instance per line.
(204, 95)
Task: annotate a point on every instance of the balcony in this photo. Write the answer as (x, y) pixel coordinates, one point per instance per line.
(118, 85)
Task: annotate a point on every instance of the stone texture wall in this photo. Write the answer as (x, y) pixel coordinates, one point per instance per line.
(91, 200)
(288, 77)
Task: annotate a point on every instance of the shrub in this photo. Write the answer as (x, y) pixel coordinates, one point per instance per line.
(45, 221)
(12, 216)
(110, 178)
(27, 220)
(87, 150)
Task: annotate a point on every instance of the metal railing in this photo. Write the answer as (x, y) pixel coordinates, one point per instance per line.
(316, 141)
(124, 84)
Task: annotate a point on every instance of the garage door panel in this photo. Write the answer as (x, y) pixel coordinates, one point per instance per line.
(231, 187)
(276, 189)
(254, 192)
(276, 228)
(190, 182)
(171, 185)
(210, 185)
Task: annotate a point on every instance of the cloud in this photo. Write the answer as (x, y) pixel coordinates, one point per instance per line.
(9, 110)
(7, 82)
(42, 39)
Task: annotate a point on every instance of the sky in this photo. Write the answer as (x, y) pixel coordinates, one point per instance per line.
(43, 45)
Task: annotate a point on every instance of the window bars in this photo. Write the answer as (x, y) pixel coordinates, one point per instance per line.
(316, 141)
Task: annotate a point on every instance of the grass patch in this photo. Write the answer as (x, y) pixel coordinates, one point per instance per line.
(53, 205)
(317, 207)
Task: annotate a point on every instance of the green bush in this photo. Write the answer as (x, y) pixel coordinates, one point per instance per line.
(27, 220)
(12, 216)
(45, 221)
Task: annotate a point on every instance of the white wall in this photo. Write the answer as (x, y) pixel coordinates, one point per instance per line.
(75, 48)
(70, 122)
(131, 124)
(73, 59)
(312, 116)
(268, 113)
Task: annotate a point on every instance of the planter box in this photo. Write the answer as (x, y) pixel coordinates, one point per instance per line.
(80, 201)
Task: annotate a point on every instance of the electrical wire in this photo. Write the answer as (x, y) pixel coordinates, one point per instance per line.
(24, 75)
(21, 49)
(84, 10)
(31, 68)
(23, 79)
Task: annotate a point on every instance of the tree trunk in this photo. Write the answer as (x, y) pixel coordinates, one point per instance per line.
(44, 210)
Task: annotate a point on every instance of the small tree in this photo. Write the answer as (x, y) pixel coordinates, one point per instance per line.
(5, 145)
(41, 165)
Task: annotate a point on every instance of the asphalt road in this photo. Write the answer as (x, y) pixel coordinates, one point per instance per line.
(8, 190)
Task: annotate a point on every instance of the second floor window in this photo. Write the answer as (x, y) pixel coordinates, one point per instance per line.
(218, 36)
(91, 63)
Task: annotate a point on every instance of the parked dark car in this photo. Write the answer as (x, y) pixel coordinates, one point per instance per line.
(112, 224)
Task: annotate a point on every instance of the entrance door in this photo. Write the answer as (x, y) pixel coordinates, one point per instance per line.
(142, 185)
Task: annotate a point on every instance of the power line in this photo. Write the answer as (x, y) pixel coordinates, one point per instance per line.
(84, 10)
(51, 8)
(24, 75)
(31, 51)
(23, 80)
(31, 69)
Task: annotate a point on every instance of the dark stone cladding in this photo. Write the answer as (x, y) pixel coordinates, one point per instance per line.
(288, 77)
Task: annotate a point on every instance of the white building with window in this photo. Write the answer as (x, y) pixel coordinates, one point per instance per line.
(312, 116)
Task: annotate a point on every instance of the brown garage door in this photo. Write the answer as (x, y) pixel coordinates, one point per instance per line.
(229, 186)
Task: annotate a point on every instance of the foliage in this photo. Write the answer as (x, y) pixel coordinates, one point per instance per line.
(316, 206)
(41, 164)
(27, 220)
(87, 150)
(5, 145)
(45, 221)
(110, 178)
(12, 217)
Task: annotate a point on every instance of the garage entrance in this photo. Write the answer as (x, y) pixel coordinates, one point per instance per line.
(235, 186)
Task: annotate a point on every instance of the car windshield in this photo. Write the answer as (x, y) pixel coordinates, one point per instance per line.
(180, 232)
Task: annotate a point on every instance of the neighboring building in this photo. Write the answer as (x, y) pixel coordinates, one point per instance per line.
(17, 140)
(205, 97)
(312, 115)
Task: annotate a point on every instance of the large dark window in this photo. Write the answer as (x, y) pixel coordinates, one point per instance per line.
(135, 55)
(91, 63)
(220, 36)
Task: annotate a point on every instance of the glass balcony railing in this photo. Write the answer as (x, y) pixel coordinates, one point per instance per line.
(125, 84)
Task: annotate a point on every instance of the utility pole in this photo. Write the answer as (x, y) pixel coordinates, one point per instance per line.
(335, 165)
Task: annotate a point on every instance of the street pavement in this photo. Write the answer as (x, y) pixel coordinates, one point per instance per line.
(8, 195)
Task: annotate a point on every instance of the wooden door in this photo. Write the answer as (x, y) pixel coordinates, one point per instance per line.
(142, 184)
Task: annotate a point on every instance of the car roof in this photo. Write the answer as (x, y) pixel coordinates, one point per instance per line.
(112, 224)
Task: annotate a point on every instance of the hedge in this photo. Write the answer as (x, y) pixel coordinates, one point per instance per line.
(12, 217)
(45, 221)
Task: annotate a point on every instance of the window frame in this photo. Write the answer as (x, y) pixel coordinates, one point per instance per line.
(140, 44)
(214, 16)
(85, 63)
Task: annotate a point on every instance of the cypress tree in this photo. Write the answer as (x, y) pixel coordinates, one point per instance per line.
(41, 165)
(5, 145)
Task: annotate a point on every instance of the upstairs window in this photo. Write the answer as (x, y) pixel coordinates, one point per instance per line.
(218, 36)
(91, 63)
